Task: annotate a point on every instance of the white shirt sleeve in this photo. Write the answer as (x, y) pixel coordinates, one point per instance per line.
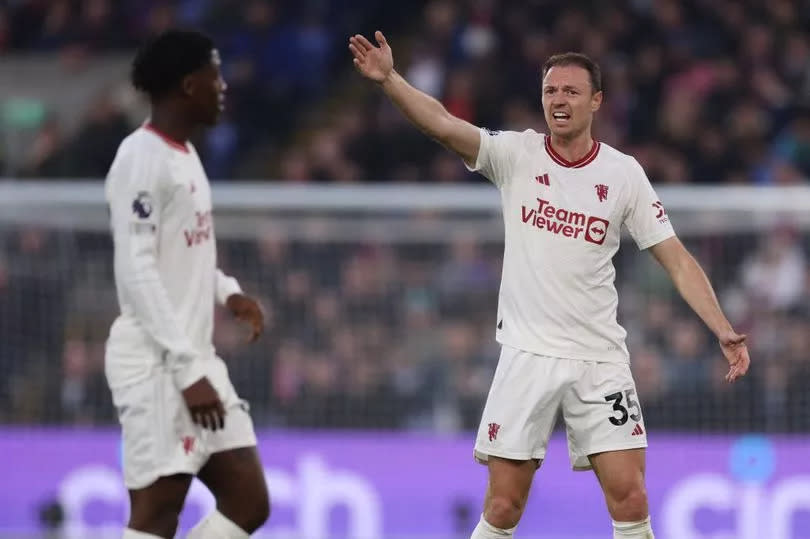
(226, 286)
(646, 218)
(497, 155)
(137, 194)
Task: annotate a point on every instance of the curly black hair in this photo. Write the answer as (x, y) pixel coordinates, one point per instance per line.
(162, 62)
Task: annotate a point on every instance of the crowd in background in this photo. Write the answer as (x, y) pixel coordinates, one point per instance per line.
(375, 335)
(699, 90)
(402, 336)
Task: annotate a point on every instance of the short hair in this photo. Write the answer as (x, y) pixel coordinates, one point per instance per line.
(162, 62)
(576, 59)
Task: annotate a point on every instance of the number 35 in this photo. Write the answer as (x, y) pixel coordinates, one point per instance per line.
(617, 406)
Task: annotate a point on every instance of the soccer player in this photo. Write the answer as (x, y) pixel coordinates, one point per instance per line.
(565, 197)
(179, 413)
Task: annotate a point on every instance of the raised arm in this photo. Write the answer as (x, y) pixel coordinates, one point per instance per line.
(425, 112)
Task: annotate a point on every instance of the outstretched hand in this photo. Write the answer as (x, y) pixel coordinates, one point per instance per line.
(375, 63)
(736, 352)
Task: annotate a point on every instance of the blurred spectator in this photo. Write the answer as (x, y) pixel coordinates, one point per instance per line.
(773, 276)
(47, 156)
(92, 151)
(700, 88)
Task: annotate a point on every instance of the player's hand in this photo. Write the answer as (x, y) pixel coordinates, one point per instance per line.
(375, 63)
(736, 352)
(247, 309)
(204, 405)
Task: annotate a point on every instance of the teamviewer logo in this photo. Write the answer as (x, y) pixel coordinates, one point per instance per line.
(596, 230)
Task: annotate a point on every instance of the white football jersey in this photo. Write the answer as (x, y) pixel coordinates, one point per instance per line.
(165, 260)
(562, 227)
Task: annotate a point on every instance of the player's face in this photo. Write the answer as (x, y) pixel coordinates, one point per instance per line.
(209, 94)
(569, 101)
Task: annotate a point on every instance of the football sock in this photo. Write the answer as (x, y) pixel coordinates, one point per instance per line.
(485, 530)
(633, 530)
(217, 526)
(135, 534)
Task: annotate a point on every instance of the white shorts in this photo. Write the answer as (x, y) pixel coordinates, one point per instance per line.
(598, 402)
(159, 437)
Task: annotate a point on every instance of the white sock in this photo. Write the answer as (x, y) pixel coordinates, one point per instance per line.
(485, 530)
(216, 526)
(633, 530)
(135, 534)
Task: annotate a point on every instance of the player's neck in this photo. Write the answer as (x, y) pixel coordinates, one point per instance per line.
(172, 124)
(573, 149)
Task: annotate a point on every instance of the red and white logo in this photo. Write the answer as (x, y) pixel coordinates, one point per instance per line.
(542, 179)
(661, 214)
(601, 192)
(201, 232)
(596, 231)
(493, 431)
(568, 223)
(638, 431)
(188, 444)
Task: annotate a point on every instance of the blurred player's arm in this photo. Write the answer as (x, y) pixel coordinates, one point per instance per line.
(425, 112)
(136, 201)
(226, 286)
(243, 307)
(695, 288)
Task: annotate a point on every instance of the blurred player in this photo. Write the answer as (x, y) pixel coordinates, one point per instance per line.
(565, 198)
(179, 413)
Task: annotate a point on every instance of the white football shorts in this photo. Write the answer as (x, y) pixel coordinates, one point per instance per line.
(598, 402)
(159, 437)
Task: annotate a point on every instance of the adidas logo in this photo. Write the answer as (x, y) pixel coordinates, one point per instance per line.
(638, 431)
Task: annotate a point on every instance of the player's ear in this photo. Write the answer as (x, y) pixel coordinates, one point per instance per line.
(187, 85)
(596, 101)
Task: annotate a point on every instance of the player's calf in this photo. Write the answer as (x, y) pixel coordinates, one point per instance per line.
(156, 523)
(507, 493)
(236, 479)
(155, 509)
(250, 512)
(621, 476)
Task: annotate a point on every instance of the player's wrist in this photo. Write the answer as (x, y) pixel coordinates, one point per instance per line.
(726, 335)
(187, 374)
(388, 80)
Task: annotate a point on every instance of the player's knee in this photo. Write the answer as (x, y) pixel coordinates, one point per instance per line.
(629, 504)
(249, 511)
(503, 511)
(161, 521)
(259, 511)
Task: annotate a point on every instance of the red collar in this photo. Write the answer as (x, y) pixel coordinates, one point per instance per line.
(579, 163)
(181, 146)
